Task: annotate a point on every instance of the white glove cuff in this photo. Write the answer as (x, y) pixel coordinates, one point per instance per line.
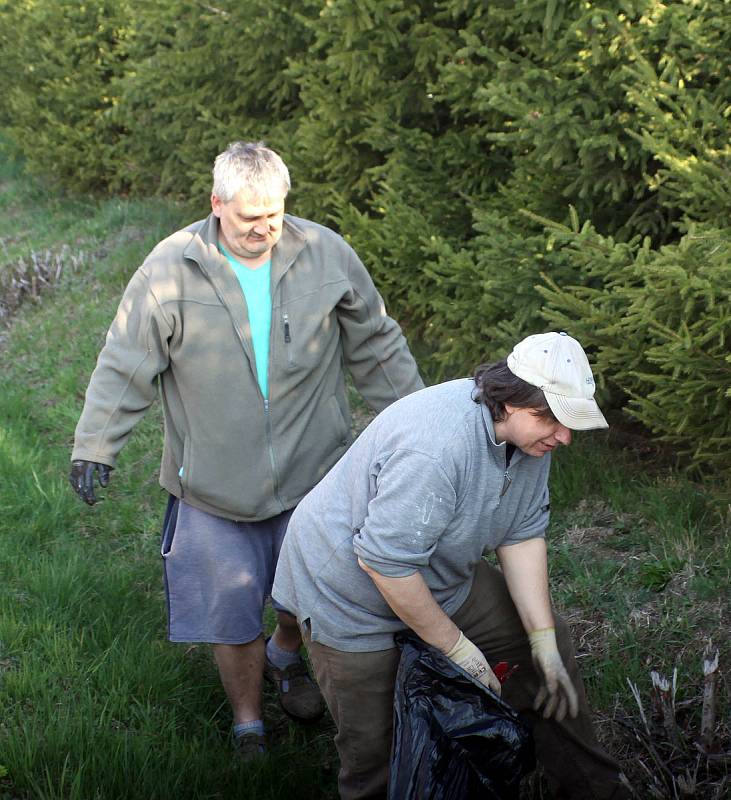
(543, 640)
(461, 648)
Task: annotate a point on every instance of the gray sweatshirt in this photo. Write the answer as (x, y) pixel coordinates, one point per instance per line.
(425, 487)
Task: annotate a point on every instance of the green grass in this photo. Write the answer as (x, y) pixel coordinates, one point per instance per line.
(641, 566)
(97, 704)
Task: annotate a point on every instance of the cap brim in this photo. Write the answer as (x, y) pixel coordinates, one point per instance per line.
(576, 413)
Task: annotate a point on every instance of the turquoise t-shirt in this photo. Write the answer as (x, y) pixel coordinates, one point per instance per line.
(255, 284)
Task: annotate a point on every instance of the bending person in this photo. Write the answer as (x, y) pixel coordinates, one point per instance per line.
(394, 535)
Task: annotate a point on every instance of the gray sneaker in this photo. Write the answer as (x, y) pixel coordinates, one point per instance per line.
(299, 695)
(249, 746)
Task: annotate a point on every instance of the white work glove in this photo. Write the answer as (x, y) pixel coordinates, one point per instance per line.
(467, 655)
(557, 691)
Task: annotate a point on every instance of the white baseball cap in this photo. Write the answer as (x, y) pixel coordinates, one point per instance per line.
(557, 364)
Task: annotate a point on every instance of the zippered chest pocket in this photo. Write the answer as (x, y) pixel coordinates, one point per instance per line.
(305, 336)
(287, 337)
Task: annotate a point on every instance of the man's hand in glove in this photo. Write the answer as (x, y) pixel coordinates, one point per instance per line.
(557, 691)
(468, 656)
(81, 478)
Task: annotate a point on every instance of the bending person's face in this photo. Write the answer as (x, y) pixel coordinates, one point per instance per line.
(533, 434)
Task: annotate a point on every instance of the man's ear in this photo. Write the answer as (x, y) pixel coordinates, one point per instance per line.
(509, 409)
(216, 204)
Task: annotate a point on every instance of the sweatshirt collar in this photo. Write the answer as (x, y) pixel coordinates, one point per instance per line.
(490, 431)
(489, 426)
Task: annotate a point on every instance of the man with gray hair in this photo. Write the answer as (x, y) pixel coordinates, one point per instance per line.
(244, 322)
(393, 538)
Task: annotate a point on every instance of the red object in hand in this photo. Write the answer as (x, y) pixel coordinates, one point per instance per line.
(503, 671)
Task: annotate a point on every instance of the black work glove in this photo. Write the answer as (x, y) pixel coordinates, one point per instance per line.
(81, 478)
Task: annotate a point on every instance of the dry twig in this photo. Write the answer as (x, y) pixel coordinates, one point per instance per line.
(29, 277)
(708, 714)
(681, 763)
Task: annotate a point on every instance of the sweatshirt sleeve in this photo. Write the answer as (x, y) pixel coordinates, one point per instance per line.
(376, 352)
(534, 522)
(123, 384)
(413, 504)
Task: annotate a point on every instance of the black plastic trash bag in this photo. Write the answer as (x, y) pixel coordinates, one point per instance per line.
(453, 739)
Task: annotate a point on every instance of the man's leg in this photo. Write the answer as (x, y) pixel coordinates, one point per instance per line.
(217, 575)
(299, 695)
(358, 689)
(571, 756)
(287, 633)
(241, 669)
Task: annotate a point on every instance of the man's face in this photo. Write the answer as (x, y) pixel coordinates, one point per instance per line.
(249, 229)
(534, 435)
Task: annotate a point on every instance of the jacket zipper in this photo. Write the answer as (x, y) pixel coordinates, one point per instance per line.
(270, 432)
(267, 415)
(507, 480)
(270, 447)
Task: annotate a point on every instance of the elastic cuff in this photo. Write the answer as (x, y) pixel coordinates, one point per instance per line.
(457, 646)
(542, 638)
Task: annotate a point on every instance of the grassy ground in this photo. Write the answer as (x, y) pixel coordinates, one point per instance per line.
(97, 704)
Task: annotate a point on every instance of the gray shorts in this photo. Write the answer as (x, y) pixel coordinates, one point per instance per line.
(218, 573)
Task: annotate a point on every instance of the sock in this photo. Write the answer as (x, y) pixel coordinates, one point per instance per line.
(281, 658)
(255, 726)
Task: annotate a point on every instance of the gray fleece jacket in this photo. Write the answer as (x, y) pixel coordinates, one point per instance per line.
(182, 326)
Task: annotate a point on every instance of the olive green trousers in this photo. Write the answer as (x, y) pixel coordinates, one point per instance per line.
(359, 689)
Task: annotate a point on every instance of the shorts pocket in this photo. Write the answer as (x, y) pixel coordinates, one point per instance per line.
(168, 526)
(184, 472)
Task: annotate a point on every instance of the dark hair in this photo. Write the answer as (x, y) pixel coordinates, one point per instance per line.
(497, 386)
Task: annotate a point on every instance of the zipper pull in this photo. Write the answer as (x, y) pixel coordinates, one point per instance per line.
(287, 337)
(507, 480)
